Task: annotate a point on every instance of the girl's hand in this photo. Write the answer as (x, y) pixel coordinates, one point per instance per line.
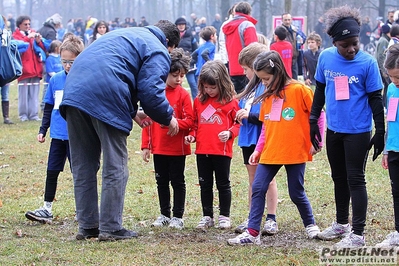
(308, 82)
(313, 151)
(254, 158)
(384, 161)
(189, 139)
(41, 138)
(242, 114)
(146, 155)
(224, 136)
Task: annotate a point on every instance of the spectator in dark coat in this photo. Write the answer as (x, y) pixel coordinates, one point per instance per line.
(365, 32)
(50, 26)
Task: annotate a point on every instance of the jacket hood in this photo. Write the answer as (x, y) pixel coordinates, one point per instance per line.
(230, 27)
(159, 34)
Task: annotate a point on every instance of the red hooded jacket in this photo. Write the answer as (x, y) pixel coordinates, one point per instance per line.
(240, 32)
(31, 65)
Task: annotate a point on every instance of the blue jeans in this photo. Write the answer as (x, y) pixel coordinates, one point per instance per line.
(5, 92)
(347, 155)
(89, 136)
(192, 81)
(295, 176)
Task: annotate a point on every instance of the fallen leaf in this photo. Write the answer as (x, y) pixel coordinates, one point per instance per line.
(1, 203)
(19, 233)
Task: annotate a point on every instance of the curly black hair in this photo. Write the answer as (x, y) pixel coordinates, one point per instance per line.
(335, 14)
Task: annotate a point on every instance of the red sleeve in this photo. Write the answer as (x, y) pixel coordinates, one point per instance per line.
(250, 36)
(235, 128)
(145, 138)
(193, 131)
(187, 120)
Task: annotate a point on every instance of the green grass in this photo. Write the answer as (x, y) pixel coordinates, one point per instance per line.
(22, 174)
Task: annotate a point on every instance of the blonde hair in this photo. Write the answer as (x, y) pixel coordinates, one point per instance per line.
(215, 73)
(72, 44)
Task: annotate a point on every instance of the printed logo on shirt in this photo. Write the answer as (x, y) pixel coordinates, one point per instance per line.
(353, 79)
(214, 119)
(330, 75)
(288, 114)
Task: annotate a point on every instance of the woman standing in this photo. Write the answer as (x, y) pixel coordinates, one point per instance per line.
(29, 82)
(99, 30)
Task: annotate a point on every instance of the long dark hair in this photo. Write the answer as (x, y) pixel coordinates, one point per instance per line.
(271, 63)
(98, 24)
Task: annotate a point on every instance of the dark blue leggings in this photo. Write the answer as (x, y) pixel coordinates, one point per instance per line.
(295, 177)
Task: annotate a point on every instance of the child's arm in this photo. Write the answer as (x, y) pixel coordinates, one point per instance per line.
(194, 56)
(146, 155)
(145, 139)
(235, 128)
(186, 121)
(205, 55)
(261, 140)
(48, 109)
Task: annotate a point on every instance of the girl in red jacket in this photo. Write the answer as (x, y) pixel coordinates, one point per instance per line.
(214, 131)
(170, 152)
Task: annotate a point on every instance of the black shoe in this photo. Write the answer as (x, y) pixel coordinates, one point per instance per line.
(87, 233)
(117, 235)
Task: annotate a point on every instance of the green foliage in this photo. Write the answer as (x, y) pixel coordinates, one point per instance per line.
(22, 174)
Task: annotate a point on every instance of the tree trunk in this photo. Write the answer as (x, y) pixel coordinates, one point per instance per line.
(224, 7)
(287, 6)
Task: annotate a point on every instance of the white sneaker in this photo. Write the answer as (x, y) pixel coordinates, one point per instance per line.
(270, 228)
(176, 223)
(242, 227)
(391, 240)
(162, 220)
(205, 223)
(224, 222)
(336, 230)
(350, 241)
(245, 239)
(312, 231)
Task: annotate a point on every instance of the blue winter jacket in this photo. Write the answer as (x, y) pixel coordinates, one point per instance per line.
(115, 72)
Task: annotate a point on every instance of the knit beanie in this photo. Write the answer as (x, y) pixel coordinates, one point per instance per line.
(180, 21)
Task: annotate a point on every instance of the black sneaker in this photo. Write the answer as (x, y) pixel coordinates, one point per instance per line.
(40, 215)
(84, 234)
(117, 235)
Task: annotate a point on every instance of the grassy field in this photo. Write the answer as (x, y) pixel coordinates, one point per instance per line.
(22, 174)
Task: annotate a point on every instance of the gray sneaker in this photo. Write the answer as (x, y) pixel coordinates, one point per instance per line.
(40, 215)
(242, 227)
(351, 240)
(270, 228)
(176, 223)
(205, 223)
(391, 240)
(336, 230)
